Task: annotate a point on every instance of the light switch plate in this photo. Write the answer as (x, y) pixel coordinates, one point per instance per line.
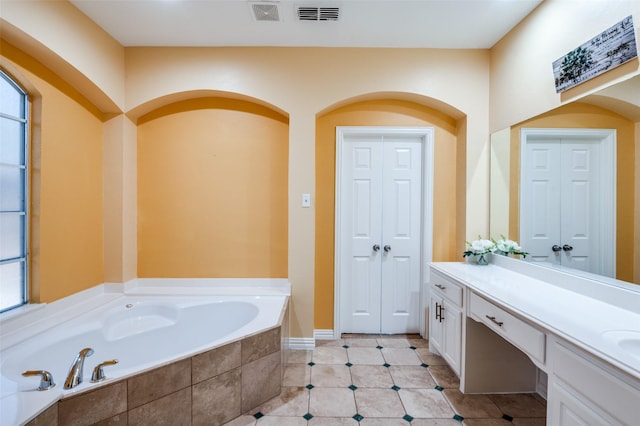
(306, 200)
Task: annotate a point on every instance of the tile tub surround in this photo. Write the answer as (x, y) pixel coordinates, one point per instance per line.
(383, 380)
(210, 388)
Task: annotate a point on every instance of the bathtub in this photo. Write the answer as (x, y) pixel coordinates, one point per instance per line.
(150, 325)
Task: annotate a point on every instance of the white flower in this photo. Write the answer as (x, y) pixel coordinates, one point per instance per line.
(482, 246)
(503, 246)
(479, 246)
(508, 246)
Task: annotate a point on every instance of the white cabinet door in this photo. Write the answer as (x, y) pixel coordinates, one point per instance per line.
(445, 322)
(445, 331)
(567, 408)
(452, 335)
(380, 232)
(436, 326)
(585, 390)
(568, 198)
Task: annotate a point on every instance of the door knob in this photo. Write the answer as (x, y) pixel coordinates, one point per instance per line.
(387, 248)
(556, 247)
(567, 247)
(376, 247)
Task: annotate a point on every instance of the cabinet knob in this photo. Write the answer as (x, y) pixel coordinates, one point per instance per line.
(376, 247)
(556, 248)
(387, 248)
(567, 247)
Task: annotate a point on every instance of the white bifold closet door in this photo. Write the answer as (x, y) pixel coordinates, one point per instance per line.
(567, 199)
(381, 205)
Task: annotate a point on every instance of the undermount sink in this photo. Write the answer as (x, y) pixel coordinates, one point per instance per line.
(627, 340)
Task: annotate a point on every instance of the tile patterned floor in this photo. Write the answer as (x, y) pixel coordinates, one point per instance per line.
(383, 380)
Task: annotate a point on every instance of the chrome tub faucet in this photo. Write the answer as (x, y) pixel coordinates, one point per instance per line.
(74, 378)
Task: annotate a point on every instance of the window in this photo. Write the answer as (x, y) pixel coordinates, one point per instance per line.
(13, 194)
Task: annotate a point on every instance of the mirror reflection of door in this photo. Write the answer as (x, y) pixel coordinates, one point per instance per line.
(380, 176)
(567, 198)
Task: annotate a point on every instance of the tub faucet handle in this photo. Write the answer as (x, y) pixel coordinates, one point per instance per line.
(98, 372)
(46, 379)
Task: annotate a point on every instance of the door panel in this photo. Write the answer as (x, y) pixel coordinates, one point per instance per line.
(399, 303)
(362, 294)
(541, 223)
(401, 215)
(361, 208)
(579, 206)
(361, 196)
(381, 205)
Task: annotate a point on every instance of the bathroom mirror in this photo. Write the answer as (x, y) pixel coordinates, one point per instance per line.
(622, 99)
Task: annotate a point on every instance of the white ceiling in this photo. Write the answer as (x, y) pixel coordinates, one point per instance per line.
(362, 23)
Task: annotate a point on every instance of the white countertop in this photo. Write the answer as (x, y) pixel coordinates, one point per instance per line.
(587, 319)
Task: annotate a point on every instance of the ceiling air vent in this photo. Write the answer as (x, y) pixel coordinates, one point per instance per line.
(265, 12)
(307, 13)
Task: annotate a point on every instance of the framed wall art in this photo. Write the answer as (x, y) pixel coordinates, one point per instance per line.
(609, 49)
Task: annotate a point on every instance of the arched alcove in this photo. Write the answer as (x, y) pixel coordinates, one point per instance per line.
(212, 189)
(387, 109)
(202, 99)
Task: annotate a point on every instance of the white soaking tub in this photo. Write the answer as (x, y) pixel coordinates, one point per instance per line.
(151, 324)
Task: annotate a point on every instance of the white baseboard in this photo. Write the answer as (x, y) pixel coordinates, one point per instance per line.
(309, 343)
(324, 334)
(302, 343)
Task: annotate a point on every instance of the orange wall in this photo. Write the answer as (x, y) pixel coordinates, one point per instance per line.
(212, 190)
(578, 115)
(379, 113)
(66, 183)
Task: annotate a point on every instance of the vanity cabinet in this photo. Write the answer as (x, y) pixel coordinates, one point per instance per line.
(445, 323)
(585, 391)
(514, 327)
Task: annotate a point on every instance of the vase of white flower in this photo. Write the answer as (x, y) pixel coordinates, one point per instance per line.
(478, 250)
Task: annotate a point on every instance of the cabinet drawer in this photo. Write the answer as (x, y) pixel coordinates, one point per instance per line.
(519, 333)
(447, 288)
